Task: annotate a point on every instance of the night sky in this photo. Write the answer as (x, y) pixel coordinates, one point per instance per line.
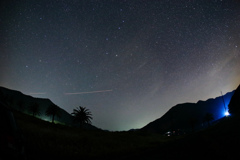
(128, 61)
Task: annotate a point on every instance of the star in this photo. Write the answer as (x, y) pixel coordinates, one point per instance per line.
(146, 53)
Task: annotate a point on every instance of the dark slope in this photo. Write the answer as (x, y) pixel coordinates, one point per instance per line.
(219, 141)
(12, 98)
(234, 105)
(181, 116)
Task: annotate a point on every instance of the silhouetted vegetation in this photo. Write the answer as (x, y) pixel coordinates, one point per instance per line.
(34, 109)
(64, 142)
(44, 140)
(53, 110)
(82, 115)
(208, 118)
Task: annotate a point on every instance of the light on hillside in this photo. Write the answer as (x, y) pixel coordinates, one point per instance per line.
(227, 113)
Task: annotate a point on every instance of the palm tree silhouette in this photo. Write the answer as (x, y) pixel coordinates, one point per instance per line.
(53, 110)
(34, 109)
(208, 117)
(82, 115)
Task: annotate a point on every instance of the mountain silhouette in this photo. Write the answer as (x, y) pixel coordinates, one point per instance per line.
(184, 116)
(14, 98)
(234, 105)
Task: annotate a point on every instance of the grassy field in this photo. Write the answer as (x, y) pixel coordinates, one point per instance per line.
(54, 141)
(47, 140)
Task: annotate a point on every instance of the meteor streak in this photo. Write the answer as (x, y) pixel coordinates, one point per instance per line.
(37, 93)
(74, 93)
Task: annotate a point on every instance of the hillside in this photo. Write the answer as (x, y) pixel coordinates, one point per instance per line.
(183, 115)
(47, 141)
(14, 98)
(234, 107)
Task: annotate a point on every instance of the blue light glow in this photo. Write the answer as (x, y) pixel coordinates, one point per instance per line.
(227, 113)
(224, 107)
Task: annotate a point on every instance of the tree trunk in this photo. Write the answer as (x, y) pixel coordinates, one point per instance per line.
(53, 118)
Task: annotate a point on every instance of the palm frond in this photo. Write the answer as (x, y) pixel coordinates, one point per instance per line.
(82, 115)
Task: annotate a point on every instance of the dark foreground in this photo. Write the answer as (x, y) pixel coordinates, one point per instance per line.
(217, 142)
(44, 140)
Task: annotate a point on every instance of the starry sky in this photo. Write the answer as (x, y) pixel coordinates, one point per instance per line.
(127, 61)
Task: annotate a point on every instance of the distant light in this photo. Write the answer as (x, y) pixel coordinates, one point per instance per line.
(227, 113)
